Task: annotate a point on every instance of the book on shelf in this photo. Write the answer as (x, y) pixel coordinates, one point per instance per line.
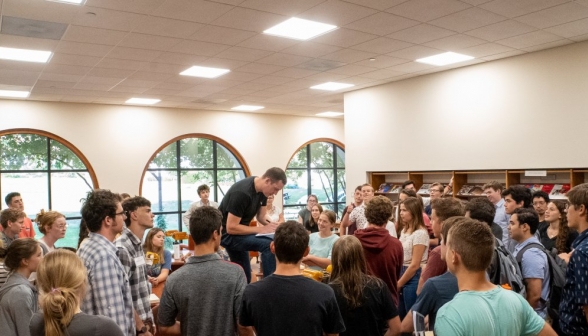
(539, 187)
(383, 187)
(395, 189)
(471, 190)
(559, 191)
(389, 188)
(424, 189)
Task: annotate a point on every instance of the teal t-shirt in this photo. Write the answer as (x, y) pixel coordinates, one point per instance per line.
(498, 312)
(321, 247)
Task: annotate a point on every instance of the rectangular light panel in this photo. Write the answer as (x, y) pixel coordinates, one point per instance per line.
(330, 114)
(445, 59)
(247, 108)
(142, 101)
(14, 94)
(299, 29)
(25, 55)
(332, 86)
(205, 72)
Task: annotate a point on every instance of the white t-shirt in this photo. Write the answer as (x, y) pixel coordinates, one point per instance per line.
(391, 227)
(419, 237)
(275, 215)
(357, 216)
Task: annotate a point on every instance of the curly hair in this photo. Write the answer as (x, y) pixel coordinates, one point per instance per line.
(45, 219)
(564, 229)
(379, 210)
(99, 204)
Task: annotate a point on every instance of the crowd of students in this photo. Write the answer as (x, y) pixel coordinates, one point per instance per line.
(390, 266)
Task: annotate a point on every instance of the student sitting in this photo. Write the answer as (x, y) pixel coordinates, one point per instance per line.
(312, 224)
(364, 301)
(321, 242)
(52, 225)
(480, 307)
(158, 259)
(18, 298)
(61, 277)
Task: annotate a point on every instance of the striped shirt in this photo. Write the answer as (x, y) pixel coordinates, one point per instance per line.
(109, 293)
(132, 258)
(3, 273)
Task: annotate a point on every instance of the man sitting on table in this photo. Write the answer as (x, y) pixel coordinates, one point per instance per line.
(205, 294)
(244, 200)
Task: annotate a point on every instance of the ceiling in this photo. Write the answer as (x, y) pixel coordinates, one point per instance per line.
(108, 51)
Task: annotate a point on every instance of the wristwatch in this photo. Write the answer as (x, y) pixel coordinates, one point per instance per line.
(142, 330)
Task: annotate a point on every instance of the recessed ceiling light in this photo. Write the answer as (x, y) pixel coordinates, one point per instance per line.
(247, 108)
(299, 29)
(25, 55)
(444, 59)
(206, 72)
(329, 114)
(14, 93)
(331, 86)
(71, 2)
(142, 101)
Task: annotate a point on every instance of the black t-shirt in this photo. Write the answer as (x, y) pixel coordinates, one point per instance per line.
(371, 318)
(549, 243)
(290, 305)
(242, 201)
(312, 227)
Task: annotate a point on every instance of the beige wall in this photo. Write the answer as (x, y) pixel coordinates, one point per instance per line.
(119, 140)
(529, 111)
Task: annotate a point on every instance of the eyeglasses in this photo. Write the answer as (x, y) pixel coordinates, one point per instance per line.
(434, 190)
(122, 213)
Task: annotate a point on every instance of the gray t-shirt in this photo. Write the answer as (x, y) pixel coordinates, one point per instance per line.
(81, 325)
(204, 295)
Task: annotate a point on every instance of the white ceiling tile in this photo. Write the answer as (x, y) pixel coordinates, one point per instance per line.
(178, 58)
(89, 86)
(516, 8)
(283, 7)
(529, 39)
(345, 38)
(468, 19)
(215, 34)
(294, 73)
(85, 49)
(22, 78)
(39, 10)
(310, 49)
(381, 62)
(114, 63)
(153, 25)
(177, 87)
(140, 7)
(427, 10)
(199, 48)
(60, 77)
(410, 67)
(351, 70)
(114, 73)
(549, 45)
(274, 80)
(163, 68)
(68, 59)
(241, 76)
(236, 91)
(575, 28)
(264, 94)
(475, 2)
(555, 15)
(191, 10)
(286, 60)
(106, 18)
(223, 63)
(154, 91)
(45, 97)
(66, 69)
(579, 38)
(93, 35)
(13, 41)
(326, 77)
(25, 66)
(336, 12)
(455, 42)
(483, 50)
(421, 34)
(415, 52)
(253, 86)
(151, 76)
(382, 45)
(359, 80)
(55, 84)
(136, 83)
(268, 42)
(382, 24)
(504, 55)
(100, 80)
(348, 56)
(258, 68)
(501, 30)
(249, 19)
(133, 54)
(243, 54)
(377, 4)
(149, 42)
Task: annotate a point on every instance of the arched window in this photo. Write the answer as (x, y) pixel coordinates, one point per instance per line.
(179, 167)
(317, 168)
(49, 173)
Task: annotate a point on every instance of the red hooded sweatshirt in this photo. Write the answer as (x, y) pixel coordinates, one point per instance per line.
(384, 256)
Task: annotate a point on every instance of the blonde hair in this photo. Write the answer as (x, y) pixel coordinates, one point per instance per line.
(45, 219)
(148, 245)
(61, 277)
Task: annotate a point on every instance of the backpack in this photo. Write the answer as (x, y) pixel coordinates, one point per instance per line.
(557, 274)
(504, 269)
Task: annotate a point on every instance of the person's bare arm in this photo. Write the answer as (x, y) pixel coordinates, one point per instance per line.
(407, 325)
(234, 228)
(316, 261)
(547, 331)
(534, 291)
(261, 216)
(415, 264)
(245, 331)
(393, 327)
(420, 285)
(169, 331)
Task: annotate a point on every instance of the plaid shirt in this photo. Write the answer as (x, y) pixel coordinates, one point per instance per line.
(129, 249)
(109, 293)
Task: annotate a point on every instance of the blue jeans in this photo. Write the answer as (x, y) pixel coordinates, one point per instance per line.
(238, 248)
(408, 294)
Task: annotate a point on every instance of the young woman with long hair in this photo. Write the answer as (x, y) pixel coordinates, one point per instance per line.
(52, 225)
(365, 302)
(312, 224)
(18, 297)
(304, 214)
(273, 212)
(62, 278)
(321, 242)
(158, 259)
(415, 242)
(558, 234)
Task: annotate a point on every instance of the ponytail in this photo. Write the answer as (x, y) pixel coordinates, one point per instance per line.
(59, 307)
